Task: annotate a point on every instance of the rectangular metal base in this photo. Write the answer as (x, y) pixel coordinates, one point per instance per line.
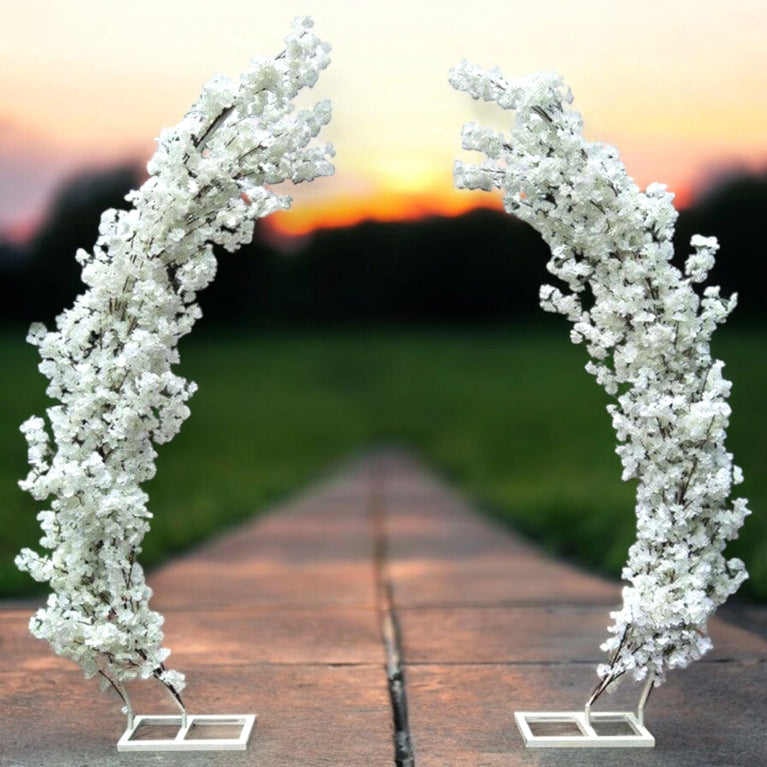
(570, 729)
(191, 737)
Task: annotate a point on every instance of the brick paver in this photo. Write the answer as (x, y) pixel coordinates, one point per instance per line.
(301, 615)
(278, 618)
(490, 626)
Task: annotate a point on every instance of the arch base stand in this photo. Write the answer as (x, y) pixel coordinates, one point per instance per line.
(204, 732)
(576, 729)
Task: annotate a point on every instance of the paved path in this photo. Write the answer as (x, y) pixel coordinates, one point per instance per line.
(377, 618)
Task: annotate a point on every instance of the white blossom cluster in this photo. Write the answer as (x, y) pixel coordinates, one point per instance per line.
(109, 361)
(647, 331)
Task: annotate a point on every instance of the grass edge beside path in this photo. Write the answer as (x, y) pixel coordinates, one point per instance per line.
(507, 415)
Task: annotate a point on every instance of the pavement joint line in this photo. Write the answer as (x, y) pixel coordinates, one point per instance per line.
(404, 755)
(565, 606)
(744, 662)
(505, 663)
(290, 664)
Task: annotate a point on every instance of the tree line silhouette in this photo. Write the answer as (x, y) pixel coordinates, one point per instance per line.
(484, 266)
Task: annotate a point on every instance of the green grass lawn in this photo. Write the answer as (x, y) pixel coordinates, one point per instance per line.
(508, 415)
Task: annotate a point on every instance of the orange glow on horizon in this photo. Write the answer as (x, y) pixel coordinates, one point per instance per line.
(86, 82)
(334, 211)
(348, 210)
(684, 196)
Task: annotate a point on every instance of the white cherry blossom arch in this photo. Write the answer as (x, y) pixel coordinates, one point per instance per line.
(110, 359)
(647, 330)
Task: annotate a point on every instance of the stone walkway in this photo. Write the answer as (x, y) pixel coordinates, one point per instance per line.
(376, 620)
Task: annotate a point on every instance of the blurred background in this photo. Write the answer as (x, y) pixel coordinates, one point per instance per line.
(385, 307)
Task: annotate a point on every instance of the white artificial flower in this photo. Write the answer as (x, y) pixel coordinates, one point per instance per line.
(109, 360)
(648, 333)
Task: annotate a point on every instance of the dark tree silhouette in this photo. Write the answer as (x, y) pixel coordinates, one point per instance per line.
(484, 266)
(53, 278)
(736, 212)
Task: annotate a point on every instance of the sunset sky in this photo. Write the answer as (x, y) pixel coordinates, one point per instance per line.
(677, 86)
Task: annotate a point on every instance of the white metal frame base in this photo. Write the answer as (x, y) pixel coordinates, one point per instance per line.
(588, 737)
(184, 724)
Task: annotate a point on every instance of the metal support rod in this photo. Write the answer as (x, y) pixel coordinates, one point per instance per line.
(598, 690)
(126, 700)
(177, 700)
(648, 688)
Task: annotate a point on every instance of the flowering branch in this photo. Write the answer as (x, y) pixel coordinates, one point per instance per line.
(648, 333)
(109, 362)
